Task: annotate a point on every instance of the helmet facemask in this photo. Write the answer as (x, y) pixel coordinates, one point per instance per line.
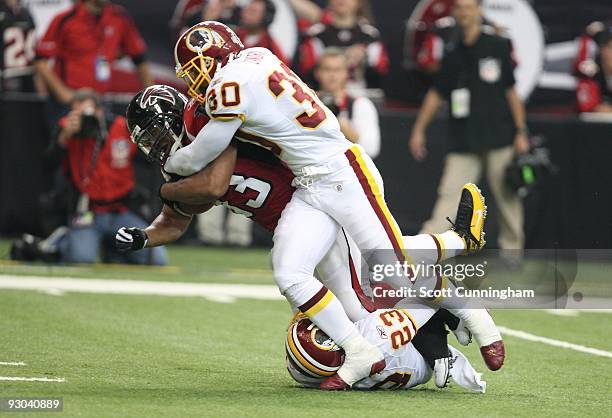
(158, 139)
(198, 73)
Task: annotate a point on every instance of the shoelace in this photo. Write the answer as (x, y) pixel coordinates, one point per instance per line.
(451, 362)
(470, 235)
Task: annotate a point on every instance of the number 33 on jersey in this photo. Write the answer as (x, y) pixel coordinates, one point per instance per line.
(279, 111)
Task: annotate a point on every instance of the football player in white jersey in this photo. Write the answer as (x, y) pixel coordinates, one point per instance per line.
(252, 96)
(339, 270)
(312, 355)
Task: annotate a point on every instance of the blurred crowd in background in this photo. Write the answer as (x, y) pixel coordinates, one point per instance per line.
(73, 62)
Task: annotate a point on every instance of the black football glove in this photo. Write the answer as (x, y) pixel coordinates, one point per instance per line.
(130, 239)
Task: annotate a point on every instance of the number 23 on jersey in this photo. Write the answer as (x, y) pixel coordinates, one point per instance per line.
(400, 325)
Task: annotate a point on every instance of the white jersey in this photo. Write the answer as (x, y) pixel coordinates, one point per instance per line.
(391, 330)
(405, 367)
(279, 111)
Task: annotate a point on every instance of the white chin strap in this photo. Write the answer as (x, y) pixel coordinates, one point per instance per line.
(177, 143)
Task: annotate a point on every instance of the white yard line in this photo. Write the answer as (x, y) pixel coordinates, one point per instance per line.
(32, 379)
(12, 363)
(576, 312)
(213, 291)
(555, 343)
(225, 293)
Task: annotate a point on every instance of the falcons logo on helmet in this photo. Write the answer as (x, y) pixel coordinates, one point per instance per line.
(154, 94)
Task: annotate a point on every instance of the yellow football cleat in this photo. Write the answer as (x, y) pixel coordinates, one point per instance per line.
(471, 216)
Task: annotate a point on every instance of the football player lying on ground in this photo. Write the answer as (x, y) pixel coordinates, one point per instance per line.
(312, 355)
(251, 181)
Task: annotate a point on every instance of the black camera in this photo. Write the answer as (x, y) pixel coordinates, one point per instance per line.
(526, 171)
(90, 124)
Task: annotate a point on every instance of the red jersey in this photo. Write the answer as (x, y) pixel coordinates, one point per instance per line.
(84, 46)
(111, 176)
(260, 187)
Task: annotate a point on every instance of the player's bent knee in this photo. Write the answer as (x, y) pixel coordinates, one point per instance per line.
(288, 280)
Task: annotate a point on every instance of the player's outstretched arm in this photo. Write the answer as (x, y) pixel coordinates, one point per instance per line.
(208, 145)
(206, 186)
(166, 228)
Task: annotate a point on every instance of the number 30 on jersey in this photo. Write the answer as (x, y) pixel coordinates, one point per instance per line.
(313, 113)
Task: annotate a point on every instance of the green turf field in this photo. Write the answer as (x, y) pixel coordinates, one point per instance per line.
(161, 356)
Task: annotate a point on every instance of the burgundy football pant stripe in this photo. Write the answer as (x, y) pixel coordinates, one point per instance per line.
(314, 300)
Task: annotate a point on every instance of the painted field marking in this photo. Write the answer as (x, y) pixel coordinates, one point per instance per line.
(576, 312)
(562, 312)
(217, 292)
(225, 293)
(12, 363)
(556, 343)
(32, 379)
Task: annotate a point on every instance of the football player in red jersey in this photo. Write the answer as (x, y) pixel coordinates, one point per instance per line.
(251, 181)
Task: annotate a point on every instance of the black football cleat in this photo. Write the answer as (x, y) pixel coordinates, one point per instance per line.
(470, 219)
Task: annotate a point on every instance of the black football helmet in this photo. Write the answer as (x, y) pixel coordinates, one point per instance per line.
(155, 121)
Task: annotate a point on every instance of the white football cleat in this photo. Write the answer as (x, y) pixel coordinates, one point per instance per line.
(442, 370)
(462, 333)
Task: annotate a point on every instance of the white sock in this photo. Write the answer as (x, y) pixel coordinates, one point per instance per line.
(480, 324)
(451, 243)
(433, 248)
(327, 313)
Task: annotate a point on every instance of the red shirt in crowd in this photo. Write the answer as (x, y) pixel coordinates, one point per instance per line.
(593, 91)
(84, 45)
(111, 176)
(321, 36)
(594, 87)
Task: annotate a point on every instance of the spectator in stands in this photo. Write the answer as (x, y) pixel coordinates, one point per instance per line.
(190, 12)
(348, 28)
(255, 20)
(487, 122)
(588, 47)
(358, 116)
(225, 11)
(594, 91)
(308, 13)
(17, 41)
(97, 156)
(184, 12)
(83, 43)
(443, 34)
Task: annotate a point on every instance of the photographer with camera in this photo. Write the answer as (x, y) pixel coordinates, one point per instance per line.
(357, 116)
(487, 123)
(97, 156)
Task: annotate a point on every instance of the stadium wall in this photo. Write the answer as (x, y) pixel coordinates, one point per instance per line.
(570, 210)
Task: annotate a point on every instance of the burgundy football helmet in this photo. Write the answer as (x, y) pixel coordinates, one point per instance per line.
(310, 351)
(200, 51)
